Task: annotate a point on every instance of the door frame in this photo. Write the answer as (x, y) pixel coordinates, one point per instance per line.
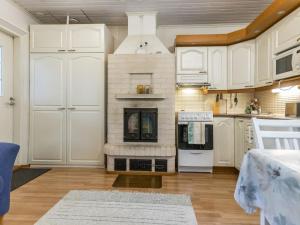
(20, 88)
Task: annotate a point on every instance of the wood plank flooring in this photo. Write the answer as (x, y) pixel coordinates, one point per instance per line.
(212, 195)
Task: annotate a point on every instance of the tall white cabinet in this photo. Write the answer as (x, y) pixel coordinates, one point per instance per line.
(67, 114)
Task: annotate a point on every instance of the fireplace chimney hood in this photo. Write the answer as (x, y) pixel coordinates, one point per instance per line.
(141, 37)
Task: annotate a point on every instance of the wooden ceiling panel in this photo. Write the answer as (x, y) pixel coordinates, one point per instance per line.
(171, 12)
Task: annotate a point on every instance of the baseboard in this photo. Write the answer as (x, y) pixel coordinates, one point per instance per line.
(17, 167)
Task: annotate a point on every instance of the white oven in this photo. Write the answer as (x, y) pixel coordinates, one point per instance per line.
(287, 64)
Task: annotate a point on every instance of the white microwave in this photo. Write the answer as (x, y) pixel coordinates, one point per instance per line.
(287, 64)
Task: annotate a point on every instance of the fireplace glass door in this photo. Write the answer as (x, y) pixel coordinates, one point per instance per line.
(140, 125)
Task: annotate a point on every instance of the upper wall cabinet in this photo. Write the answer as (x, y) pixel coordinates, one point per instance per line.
(241, 65)
(67, 38)
(263, 75)
(286, 33)
(217, 68)
(83, 38)
(48, 38)
(192, 60)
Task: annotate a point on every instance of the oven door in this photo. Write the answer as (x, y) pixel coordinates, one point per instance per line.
(183, 143)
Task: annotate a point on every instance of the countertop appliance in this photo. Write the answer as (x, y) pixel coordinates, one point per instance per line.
(195, 141)
(292, 109)
(287, 64)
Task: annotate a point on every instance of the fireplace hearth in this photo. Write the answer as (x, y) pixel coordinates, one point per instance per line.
(140, 124)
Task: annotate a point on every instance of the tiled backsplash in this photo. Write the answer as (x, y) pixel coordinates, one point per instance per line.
(189, 99)
(275, 103)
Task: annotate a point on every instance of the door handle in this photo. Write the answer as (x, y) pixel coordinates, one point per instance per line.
(72, 108)
(71, 50)
(61, 108)
(196, 153)
(11, 101)
(61, 50)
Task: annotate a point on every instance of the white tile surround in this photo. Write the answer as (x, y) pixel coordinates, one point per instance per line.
(121, 70)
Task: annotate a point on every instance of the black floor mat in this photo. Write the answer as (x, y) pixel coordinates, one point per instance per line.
(24, 175)
(138, 181)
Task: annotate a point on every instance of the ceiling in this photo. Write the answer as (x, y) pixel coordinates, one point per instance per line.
(170, 12)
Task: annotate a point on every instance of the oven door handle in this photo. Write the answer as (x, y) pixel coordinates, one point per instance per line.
(196, 153)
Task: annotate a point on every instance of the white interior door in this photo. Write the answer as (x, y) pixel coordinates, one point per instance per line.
(85, 109)
(6, 88)
(48, 109)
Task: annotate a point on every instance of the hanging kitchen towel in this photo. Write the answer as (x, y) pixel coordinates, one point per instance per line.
(195, 133)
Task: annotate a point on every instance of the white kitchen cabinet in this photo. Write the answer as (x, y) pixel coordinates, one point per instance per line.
(241, 65)
(217, 68)
(47, 114)
(191, 60)
(67, 38)
(239, 139)
(85, 101)
(263, 75)
(67, 109)
(50, 38)
(224, 141)
(286, 33)
(83, 38)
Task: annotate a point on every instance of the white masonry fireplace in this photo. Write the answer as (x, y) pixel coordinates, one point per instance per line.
(141, 127)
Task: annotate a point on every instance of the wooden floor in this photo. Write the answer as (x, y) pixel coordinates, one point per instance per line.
(212, 195)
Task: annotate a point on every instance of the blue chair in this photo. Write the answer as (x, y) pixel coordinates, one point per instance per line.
(8, 154)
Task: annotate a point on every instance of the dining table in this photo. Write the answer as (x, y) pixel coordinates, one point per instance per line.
(269, 180)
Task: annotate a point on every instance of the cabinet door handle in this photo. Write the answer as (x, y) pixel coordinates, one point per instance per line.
(270, 82)
(61, 108)
(61, 50)
(212, 88)
(71, 50)
(72, 108)
(298, 39)
(248, 86)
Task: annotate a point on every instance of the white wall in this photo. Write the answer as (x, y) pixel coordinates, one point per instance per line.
(15, 21)
(167, 34)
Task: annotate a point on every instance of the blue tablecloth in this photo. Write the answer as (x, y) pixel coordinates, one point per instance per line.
(270, 180)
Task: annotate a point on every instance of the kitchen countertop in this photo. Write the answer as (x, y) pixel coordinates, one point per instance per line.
(259, 116)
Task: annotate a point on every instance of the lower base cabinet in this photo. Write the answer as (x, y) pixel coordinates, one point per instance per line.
(224, 142)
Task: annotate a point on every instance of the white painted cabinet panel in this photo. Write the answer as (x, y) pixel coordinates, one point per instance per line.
(83, 38)
(48, 80)
(263, 75)
(47, 137)
(241, 65)
(85, 137)
(86, 84)
(191, 60)
(224, 141)
(239, 147)
(286, 33)
(217, 68)
(50, 38)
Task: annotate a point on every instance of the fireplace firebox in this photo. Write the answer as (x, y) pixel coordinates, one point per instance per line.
(140, 124)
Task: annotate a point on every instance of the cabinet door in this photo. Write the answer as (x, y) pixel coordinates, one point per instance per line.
(86, 38)
(191, 60)
(241, 65)
(223, 142)
(239, 147)
(47, 111)
(48, 38)
(86, 109)
(217, 68)
(263, 75)
(287, 33)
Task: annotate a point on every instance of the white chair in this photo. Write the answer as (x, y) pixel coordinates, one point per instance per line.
(277, 134)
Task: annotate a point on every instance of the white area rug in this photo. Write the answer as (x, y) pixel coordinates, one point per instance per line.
(120, 208)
